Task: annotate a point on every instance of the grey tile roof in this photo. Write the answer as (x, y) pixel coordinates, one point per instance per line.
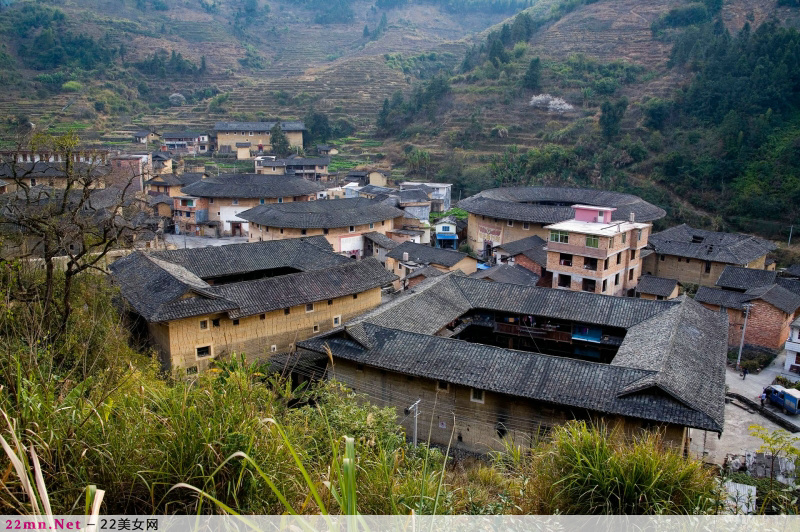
(161, 198)
(792, 285)
(658, 286)
(738, 278)
(321, 214)
(556, 380)
(304, 254)
(252, 186)
(382, 240)
(175, 180)
(506, 273)
(793, 270)
(375, 189)
(258, 126)
(552, 204)
(720, 297)
(142, 133)
(425, 254)
(158, 290)
(307, 161)
(531, 247)
(427, 272)
(413, 196)
(730, 248)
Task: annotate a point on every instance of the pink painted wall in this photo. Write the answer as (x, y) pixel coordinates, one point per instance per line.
(583, 214)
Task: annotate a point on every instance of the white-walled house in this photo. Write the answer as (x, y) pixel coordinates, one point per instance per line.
(792, 363)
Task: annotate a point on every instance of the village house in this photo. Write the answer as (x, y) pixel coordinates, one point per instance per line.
(493, 361)
(652, 287)
(699, 257)
(144, 136)
(769, 303)
(438, 193)
(164, 164)
(378, 245)
(792, 363)
(591, 253)
(325, 149)
(170, 184)
(502, 215)
(256, 299)
(186, 142)
(530, 253)
(446, 232)
(255, 133)
(422, 274)
(311, 168)
(342, 221)
(53, 174)
(216, 202)
(408, 256)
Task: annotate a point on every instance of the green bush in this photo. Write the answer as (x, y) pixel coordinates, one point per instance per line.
(71, 86)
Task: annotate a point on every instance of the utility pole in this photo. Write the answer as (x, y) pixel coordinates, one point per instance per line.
(415, 408)
(791, 228)
(744, 331)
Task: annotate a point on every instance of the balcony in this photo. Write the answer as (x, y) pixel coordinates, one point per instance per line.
(583, 251)
(545, 333)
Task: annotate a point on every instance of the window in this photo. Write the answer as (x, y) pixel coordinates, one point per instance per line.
(273, 348)
(589, 285)
(442, 386)
(611, 242)
(605, 285)
(234, 201)
(215, 322)
(280, 200)
(330, 302)
(204, 351)
(559, 236)
(337, 320)
(359, 367)
(211, 200)
(251, 133)
(476, 396)
(592, 241)
(708, 266)
(590, 264)
(281, 230)
(309, 307)
(662, 257)
(261, 201)
(680, 259)
(605, 264)
(235, 322)
(511, 223)
(352, 228)
(565, 259)
(355, 296)
(687, 261)
(383, 222)
(262, 316)
(316, 328)
(624, 237)
(303, 231)
(630, 274)
(640, 235)
(187, 203)
(372, 226)
(203, 324)
(616, 280)
(619, 258)
(564, 281)
(286, 311)
(633, 254)
(325, 231)
(526, 225)
(33, 182)
(445, 228)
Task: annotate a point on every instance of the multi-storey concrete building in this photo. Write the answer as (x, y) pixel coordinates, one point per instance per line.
(590, 253)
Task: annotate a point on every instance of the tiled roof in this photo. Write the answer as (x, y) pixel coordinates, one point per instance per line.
(375, 189)
(182, 135)
(161, 198)
(657, 286)
(258, 126)
(427, 272)
(792, 285)
(252, 186)
(142, 133)
(175, 180)
(506, 273)
(413, 196)
(307, 161)
(612, 389)
(382, 240)
(304, 254)
(552, 204)
(532, 247)
(162, 291)
(730, 248)
(776, 295)
(321, 214)
(793, 270)
(738, 278)
(425, 254)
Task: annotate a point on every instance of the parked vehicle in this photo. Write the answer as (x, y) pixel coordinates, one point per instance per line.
(788, 399)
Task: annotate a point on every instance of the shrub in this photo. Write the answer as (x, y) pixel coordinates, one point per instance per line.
(71, 86)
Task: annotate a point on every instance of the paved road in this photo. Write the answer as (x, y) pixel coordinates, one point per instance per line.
(189, 241)
(752, 386)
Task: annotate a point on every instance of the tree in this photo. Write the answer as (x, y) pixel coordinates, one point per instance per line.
(318, 127)
(611, 117)
(278, 140)
(74, 223)
(365, 33)
(497, 53)
(533, 75)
